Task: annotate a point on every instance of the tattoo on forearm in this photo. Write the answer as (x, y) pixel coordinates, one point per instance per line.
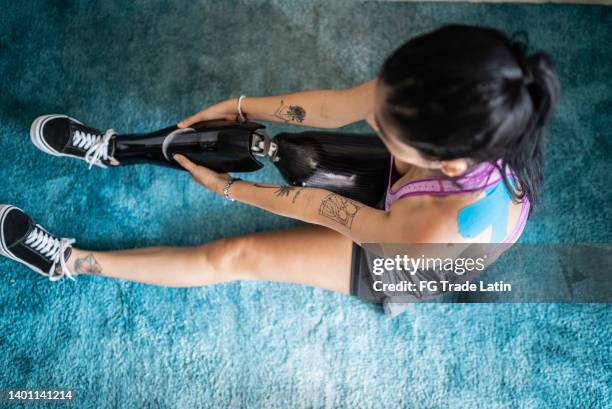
(297, 193)
(290, 113)
(87, 265)
(283, 191)
(339, 209)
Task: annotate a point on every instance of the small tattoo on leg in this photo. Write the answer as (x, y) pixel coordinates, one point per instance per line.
(290, 113)
(339, 209)
(87, 265)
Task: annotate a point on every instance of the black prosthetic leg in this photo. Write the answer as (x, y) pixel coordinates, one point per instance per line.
(352, 165)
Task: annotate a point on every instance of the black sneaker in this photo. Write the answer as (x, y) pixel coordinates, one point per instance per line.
(60, 135)
(22, 240)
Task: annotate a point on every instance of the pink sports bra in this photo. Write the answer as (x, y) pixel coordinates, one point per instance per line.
(480, 177)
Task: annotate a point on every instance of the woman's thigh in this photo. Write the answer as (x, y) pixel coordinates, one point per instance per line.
(310, 255)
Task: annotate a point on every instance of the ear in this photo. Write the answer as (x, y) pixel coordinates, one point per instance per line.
(454, 167)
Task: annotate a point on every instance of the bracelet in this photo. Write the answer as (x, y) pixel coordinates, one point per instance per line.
(241, 116)
(227, 187)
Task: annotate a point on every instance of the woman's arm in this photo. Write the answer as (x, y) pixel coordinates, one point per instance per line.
(320, 109)
(361, 223)
(317, 206)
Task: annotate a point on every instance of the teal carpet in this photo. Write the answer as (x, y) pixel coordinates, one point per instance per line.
(141, 65)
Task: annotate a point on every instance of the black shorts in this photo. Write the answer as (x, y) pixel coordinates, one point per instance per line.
(361, 276)
(368, 286)
(388, 287)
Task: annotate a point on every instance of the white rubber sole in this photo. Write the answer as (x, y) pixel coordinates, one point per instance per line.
(38, 140)
(4, 210)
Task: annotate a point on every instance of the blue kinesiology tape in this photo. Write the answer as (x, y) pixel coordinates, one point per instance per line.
(492, 210)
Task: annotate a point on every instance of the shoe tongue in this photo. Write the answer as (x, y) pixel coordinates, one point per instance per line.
(93, 131)
(111, 147)
(67, 253)
(58, 270)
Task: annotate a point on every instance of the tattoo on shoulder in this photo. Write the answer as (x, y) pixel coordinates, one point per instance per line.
(339, 209)
(87, 265)
(289, 113)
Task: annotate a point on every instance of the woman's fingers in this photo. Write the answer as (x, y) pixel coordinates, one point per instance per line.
(222, 110)
(199, 117)
(200, 174)
(186, 164)
(208, 178)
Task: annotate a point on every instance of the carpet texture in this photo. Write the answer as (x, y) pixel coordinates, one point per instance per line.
(141, 65)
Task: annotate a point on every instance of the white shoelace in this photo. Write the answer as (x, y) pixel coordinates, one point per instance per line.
(96, 146)
(41, 241)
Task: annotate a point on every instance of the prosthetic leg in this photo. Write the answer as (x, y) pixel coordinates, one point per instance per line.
(219, 145)
(352, 165)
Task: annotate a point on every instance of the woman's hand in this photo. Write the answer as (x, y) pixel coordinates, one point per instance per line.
(208, 178)
(226, 110)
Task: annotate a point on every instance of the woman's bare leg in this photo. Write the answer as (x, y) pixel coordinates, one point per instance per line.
(310, 255)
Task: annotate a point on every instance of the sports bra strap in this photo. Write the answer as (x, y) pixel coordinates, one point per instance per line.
(479, 177)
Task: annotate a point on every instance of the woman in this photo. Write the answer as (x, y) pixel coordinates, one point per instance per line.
(462, 111)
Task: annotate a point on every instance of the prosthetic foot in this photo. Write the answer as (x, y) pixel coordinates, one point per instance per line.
(353, 165)
(60, 135)
(220, 145)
